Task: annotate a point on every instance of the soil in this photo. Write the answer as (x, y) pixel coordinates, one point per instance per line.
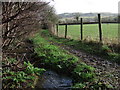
(107, 72)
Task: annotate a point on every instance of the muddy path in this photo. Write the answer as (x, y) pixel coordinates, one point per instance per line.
(107, 72)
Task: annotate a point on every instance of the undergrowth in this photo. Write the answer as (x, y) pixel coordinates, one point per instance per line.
(63, 62)
(110, 52)
(16, 78)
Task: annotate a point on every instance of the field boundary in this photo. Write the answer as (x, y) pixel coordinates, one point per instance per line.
(87, 23)
(99, 22)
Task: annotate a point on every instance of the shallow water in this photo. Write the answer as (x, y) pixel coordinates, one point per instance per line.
(51, 79)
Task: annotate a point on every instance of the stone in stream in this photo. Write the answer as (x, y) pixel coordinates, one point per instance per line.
(52, 80)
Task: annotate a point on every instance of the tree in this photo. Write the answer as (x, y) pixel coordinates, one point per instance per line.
(77, 17)
(96, 19)
(49, 16)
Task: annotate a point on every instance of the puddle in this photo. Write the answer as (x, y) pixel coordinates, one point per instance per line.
(51, 79)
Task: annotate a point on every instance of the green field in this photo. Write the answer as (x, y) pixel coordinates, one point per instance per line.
(91, 32)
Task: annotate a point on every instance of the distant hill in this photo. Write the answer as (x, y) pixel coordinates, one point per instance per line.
(85, 15)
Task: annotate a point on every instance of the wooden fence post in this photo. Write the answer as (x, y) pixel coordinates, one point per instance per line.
(81, 29)
(118, 29)
(57, 28)
(66, 31)
(100, 29)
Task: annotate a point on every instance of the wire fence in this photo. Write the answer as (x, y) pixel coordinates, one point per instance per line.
(106, 32)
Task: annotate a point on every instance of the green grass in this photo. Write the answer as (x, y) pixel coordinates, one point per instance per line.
(91, 32)
(65, 63)
(78, 72)
(109, 52)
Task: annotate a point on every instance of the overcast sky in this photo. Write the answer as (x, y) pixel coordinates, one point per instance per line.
(85, 6)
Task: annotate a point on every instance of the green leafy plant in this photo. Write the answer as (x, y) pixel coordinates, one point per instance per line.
(79, 85)
(16, 79)
(60, 60)
(106, 51)
(33, 70)
(84, 72)
(51, 54)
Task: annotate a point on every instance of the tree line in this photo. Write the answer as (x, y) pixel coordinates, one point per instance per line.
(76, 19)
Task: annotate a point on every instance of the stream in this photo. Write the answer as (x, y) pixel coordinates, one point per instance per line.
(51, 79)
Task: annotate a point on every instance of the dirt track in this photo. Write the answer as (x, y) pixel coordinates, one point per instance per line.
(107, 72)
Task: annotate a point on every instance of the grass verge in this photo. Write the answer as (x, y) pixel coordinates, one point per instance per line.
(59, 60)
(109, 52)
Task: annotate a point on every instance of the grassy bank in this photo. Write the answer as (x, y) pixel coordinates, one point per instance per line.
(110, 52)
(59, 60)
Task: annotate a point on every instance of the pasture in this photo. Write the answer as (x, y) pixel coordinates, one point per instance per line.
(91, 32)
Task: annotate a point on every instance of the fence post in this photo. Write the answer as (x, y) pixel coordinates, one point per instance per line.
(81, 29)
(66, 31)
(57, 28)
(100, 29)
(119, 29)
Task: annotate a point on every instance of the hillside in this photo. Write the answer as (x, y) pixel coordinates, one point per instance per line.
(85, 15)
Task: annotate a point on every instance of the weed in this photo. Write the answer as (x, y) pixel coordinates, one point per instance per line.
(16, 79)
(95, 48)
(60, 60)
(84, 72)
(51, 54)
(79, 85)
